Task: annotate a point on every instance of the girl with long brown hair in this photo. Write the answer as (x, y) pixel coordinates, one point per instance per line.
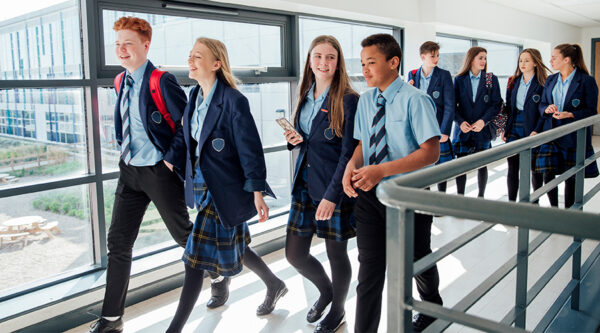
(568, 96)
(523, 96)
(225, 179)
(478, 101)
(324, 122)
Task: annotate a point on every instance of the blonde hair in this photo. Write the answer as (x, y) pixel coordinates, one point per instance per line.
(219, 51)
(339, 86)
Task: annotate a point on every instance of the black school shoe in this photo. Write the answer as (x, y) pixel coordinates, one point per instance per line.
(269, 303)
(107, 326)
(315, 313)
(322, 328)
(219, 292)
(421, 322)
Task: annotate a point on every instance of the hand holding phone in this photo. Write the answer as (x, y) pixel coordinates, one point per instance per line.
(291, 135)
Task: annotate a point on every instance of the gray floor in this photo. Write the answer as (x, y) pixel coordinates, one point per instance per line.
(459, 274)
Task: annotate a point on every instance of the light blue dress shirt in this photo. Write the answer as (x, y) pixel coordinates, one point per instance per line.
(522, 92)
(311, 108)
(199, 114)
(474, 83)
(560, 90)
(143, 151)
(409, 119)
(424, 80)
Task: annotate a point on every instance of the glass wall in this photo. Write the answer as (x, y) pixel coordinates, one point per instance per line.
(58, 153)
(502, 58)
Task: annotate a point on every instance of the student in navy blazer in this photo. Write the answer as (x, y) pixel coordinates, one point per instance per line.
(523, 96)
(476, 105)
(437, 83)
(225, 180)
(151, 157)
(324, 122)
(568, 96)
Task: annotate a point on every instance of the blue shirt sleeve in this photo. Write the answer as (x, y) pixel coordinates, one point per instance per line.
(423, 121)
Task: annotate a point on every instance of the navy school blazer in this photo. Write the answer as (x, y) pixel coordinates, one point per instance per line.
(531, 115)
(170, 144)
(231, 155)
(327, 154)
(441, 91)
(486, 107)
(581, 100)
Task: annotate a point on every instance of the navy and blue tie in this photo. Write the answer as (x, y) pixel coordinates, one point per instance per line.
(125, 145)
(377, 143)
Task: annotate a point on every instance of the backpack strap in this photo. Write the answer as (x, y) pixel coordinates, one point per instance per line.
(157, 97)
(488, 80)
(414, 71)
(118, 80)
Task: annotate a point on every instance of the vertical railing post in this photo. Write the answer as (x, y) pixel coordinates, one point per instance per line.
(522, 242)
(579, 179)
(399, 256)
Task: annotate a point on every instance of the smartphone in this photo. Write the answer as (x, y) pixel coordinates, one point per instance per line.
(286, 125)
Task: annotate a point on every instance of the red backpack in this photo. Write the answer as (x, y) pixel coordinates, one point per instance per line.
(155, 92)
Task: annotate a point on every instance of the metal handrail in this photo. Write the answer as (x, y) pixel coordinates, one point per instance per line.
(406, 194)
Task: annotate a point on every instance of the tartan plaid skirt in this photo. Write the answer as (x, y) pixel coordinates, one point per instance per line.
(211, 246)
(517, 131)
(553, 158)
(301, 221)
(446, 152)
(470, 147)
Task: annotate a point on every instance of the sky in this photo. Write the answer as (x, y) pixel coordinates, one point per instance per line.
(12, 9)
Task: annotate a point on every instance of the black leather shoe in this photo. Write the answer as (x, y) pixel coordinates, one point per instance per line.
(269, 303)
(315, 313)
(219, 293)
(107, 326)
(421, 322)
(322, 328)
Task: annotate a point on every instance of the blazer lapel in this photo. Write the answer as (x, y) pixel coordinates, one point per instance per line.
(514, 92)
(467, 87)
(145, 94)
(532, 88)
(212, 115)
(435, 75)
(572, 88)
(550, 86)
(320, 116)
(187, 117)
(481, 87)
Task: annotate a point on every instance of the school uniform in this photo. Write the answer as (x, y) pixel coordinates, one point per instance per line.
(224, 166)
(439, 86)
(523, 118)
(319, 170)
(146, 141)
(473, 102)
(410, 120)
(578, 95)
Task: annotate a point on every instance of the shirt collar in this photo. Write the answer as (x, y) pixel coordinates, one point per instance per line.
(428, 76)
(526, 84)
(569, 78)
(138, 74)
(200, 101)
(391, 91)
(311, 93)
(473, 76)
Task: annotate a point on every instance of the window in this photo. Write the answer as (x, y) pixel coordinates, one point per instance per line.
(502, 58)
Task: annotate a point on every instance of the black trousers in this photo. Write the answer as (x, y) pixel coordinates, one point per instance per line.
(138, 186)
(370, 237)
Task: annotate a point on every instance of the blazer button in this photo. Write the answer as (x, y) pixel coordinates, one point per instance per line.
(308, 165)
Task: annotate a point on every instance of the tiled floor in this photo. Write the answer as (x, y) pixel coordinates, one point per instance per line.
(459, 274)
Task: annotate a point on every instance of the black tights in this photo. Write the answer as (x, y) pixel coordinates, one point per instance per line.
(569, 190)
(297, 252)
(192, 284)
(537, 180)
(482, 177)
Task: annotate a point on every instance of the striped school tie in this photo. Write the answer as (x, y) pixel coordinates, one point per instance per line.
(125, 146)
(378, 145)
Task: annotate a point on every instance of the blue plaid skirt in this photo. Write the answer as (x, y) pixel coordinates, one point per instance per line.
(517, 131)
(211, 246)
(470, 147)
(446, 153)
(553, 158)
(301, 221)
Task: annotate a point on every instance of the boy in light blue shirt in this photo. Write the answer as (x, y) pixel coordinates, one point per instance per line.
(398, 132)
